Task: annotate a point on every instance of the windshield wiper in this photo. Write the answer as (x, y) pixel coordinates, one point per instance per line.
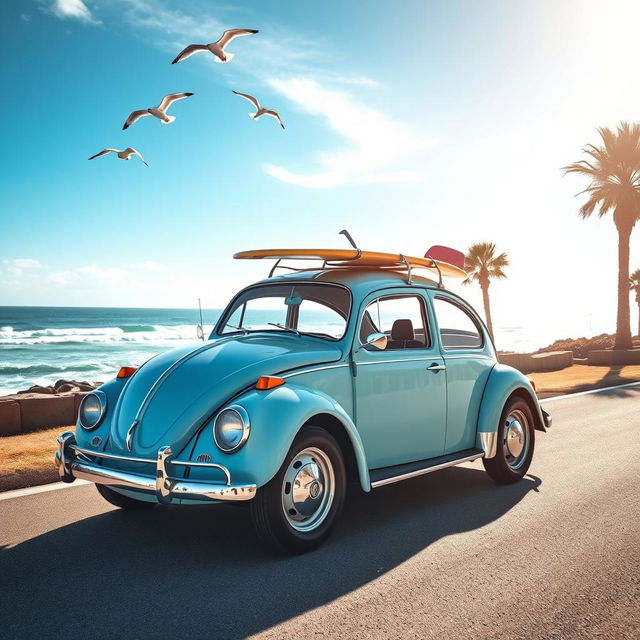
(233, 326)
(281, 326)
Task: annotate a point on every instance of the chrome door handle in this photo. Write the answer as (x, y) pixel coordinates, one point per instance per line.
(436, 367)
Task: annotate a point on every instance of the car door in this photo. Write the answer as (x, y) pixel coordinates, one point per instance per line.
(400, 391)
(469, 357)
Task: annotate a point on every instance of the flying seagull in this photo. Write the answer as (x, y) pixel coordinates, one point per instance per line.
(260, 111)
(159, 112)
(125, 154)
(216, 48)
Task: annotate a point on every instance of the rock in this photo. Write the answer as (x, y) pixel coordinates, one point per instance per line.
(38, 389)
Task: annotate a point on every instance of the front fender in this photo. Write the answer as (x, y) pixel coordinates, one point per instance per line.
(276, 416)
(503, 381)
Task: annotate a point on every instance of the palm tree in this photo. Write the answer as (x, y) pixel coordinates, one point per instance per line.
(482, 264)
(634, 285)
(614, 171)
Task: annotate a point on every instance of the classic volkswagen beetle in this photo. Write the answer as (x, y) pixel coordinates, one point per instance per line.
(356, 371)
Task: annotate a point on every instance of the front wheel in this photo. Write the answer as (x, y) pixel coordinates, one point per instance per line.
(516, 438)
(296, 510)
(122, 501)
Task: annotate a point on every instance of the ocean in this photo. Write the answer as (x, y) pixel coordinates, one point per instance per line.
(39, 345)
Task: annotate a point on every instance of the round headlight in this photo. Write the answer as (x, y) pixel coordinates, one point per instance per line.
(231, 428)
(92, 410)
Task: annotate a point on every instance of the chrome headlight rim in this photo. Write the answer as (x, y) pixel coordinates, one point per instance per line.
(246, 428)
(102, 399)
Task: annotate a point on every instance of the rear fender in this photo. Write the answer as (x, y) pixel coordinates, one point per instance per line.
(276, 417)
(503, 382)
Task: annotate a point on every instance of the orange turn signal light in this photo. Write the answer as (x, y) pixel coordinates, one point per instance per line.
(126, 372)
(268, 382)
(533, 384)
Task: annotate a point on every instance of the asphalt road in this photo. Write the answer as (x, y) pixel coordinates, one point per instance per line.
(448, 555)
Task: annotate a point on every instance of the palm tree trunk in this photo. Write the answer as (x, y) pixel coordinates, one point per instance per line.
(623, 323)
(484, 285)
(638, 298)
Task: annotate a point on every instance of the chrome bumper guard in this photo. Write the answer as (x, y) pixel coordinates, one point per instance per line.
(74, 462)
(548, 420)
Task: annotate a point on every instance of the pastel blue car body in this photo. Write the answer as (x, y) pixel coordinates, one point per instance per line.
(393, 413)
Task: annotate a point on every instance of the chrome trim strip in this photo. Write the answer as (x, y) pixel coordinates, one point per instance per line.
(299, 373)
(167, 372)
(421, 472)
(437, 357)
(488, 442)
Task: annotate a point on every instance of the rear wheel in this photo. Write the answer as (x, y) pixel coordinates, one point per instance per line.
(516, 439)
(296, 510)
(122, 501)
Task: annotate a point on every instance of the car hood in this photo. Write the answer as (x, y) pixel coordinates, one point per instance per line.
(173, 393)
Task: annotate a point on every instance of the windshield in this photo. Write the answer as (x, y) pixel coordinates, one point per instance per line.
(312, 309)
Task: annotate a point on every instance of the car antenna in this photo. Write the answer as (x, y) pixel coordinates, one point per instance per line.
(347, 235)
(200, 328)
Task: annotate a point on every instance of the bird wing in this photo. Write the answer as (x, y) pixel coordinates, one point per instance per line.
(131, 150)
(104, 152)
(274, 114)
(246, 96)
(135, 115)
(167, 101)
(230, 34)
(188, 51)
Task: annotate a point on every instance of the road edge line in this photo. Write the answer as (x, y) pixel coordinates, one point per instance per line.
(41, 488)
(586, 393)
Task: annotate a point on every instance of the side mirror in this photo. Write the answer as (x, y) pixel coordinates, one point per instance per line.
(377, 340)
(200, 332)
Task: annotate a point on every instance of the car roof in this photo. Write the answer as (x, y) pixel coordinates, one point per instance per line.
(360, 280)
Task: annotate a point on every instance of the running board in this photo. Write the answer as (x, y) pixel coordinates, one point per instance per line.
(389, 475)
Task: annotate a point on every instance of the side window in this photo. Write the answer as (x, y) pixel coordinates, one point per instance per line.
(401, 318)
(458, 330)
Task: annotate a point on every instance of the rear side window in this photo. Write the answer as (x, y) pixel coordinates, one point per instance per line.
(458, 330)
(401, 318)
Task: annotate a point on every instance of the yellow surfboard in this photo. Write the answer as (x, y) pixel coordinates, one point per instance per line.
(355, 258)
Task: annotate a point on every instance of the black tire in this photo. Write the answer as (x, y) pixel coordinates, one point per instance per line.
(504, 468)
(268, 515)
(124, 502)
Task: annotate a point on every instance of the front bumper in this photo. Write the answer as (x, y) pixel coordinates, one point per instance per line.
(74, 462)
(548, 420)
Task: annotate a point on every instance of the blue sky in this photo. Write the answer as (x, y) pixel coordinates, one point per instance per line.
(410, 123)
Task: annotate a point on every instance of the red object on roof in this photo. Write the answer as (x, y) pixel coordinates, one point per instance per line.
(446, 254)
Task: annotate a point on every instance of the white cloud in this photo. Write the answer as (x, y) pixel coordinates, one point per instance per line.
(377, 142)
(74, 9)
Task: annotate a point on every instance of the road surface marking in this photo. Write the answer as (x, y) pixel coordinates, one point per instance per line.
(18, 493)
(54, 486)
(585, 393)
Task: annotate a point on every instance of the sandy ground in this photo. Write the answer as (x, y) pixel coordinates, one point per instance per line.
(581, 377)
(27, 460)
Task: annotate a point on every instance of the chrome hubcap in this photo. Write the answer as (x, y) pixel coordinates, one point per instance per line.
(516, 439)
(308, 489)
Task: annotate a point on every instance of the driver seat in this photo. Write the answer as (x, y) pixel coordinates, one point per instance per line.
(403, 335)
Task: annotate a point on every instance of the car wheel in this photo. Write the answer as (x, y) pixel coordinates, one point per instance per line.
(516, 439)
(124, 502)
(296, 510)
